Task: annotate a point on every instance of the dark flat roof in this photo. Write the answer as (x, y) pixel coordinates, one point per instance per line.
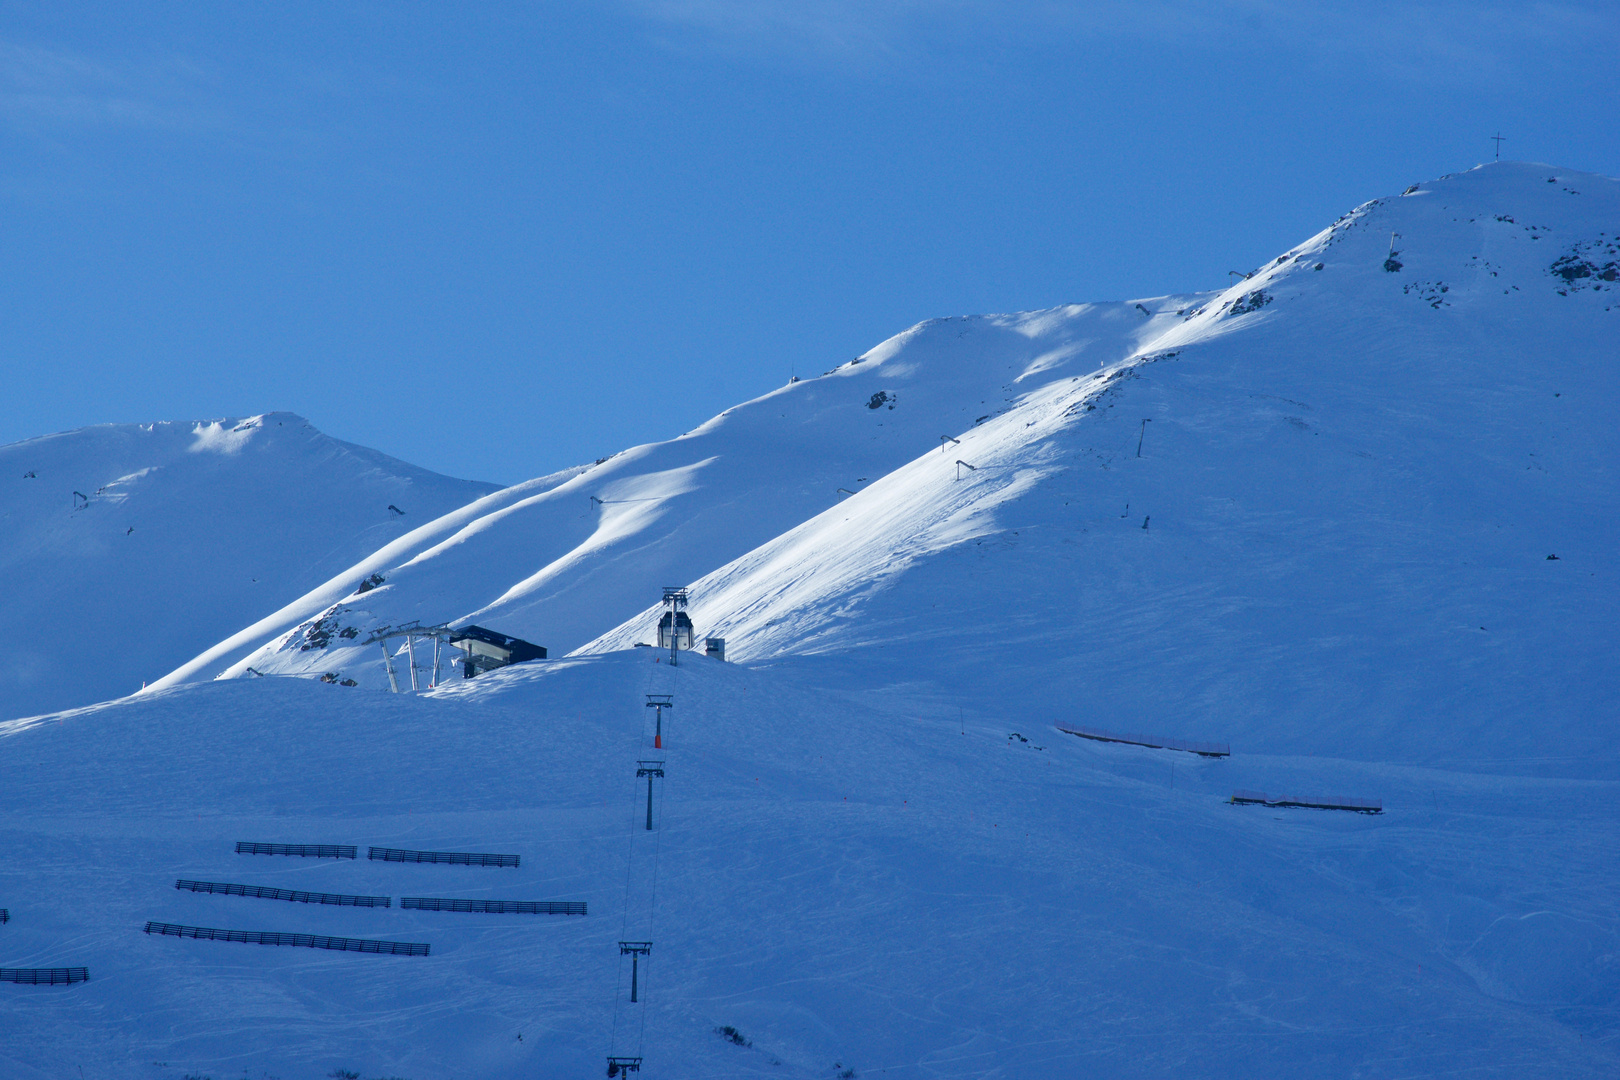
(520, 649)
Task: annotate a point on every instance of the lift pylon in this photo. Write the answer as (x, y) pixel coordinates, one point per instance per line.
(659, 702)
(635, 950)
(651, 770)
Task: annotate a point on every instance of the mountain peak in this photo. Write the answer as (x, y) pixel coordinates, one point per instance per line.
(166, 536)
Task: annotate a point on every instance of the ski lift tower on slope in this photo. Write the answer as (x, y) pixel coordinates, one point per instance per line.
(675, 628)
(410, 632)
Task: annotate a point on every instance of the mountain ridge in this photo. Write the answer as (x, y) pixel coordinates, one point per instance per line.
(130, 546)
(1349, 386)
(594, 543)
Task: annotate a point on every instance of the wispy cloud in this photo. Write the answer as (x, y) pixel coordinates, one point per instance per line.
(833, 28)
(1426, 40)
(41, 87)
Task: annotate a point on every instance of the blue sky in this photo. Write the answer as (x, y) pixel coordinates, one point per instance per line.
(498, 239)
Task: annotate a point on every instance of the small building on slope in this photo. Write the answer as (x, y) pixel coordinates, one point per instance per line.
(487, 650)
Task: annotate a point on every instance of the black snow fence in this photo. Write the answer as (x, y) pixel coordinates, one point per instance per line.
(457, 858)
(1324, 802)
(1205, 749)
(307, 941)
(495, 907)
(45, 976)
(305, 851)
(264, 893)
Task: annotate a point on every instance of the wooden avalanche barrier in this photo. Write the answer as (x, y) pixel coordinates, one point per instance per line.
(459, 858)
(1206, 749)
(307, 941)
(496, 907)
(307, 851)
(1325, 802)
(45, 976)
(339, 899)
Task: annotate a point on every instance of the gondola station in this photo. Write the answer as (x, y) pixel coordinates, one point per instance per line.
(487, 650)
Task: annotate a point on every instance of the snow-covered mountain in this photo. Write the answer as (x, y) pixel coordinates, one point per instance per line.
(1354, 515)
(566, 559)
(126, 549)
(1364, 501)
(1316, 507)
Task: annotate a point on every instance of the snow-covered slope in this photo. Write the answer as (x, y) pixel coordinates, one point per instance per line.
(563, 561)
(873, 854)
(855, 882)
(126, 549)
(1314, 510)
(1372, 510)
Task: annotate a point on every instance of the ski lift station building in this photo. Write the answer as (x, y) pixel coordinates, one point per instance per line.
(487, 650)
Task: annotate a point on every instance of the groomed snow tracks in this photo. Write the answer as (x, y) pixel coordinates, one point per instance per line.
(459, 858)
(63, 976)
(1326, 802)
(1204, 749)
(306, 851)
(307, 941)
(45, 976)
(266, 893)
(495, 907)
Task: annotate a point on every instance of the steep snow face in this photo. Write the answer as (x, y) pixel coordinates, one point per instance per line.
(559, 563)
(126, 549)
(1361, 503)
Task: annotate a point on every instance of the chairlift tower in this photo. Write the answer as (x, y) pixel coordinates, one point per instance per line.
(659, 702)
(675, 600)
(651, 770)
(617, 1065)
(410, 632)
(635, 950)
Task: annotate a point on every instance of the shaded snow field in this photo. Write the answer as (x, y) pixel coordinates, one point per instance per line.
(842, 876)
(1310, 515)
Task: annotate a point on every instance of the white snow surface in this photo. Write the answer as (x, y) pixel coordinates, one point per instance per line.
(873, 854)
(1339, 524)
(850, 879)
(546, 563)
(185, 532)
